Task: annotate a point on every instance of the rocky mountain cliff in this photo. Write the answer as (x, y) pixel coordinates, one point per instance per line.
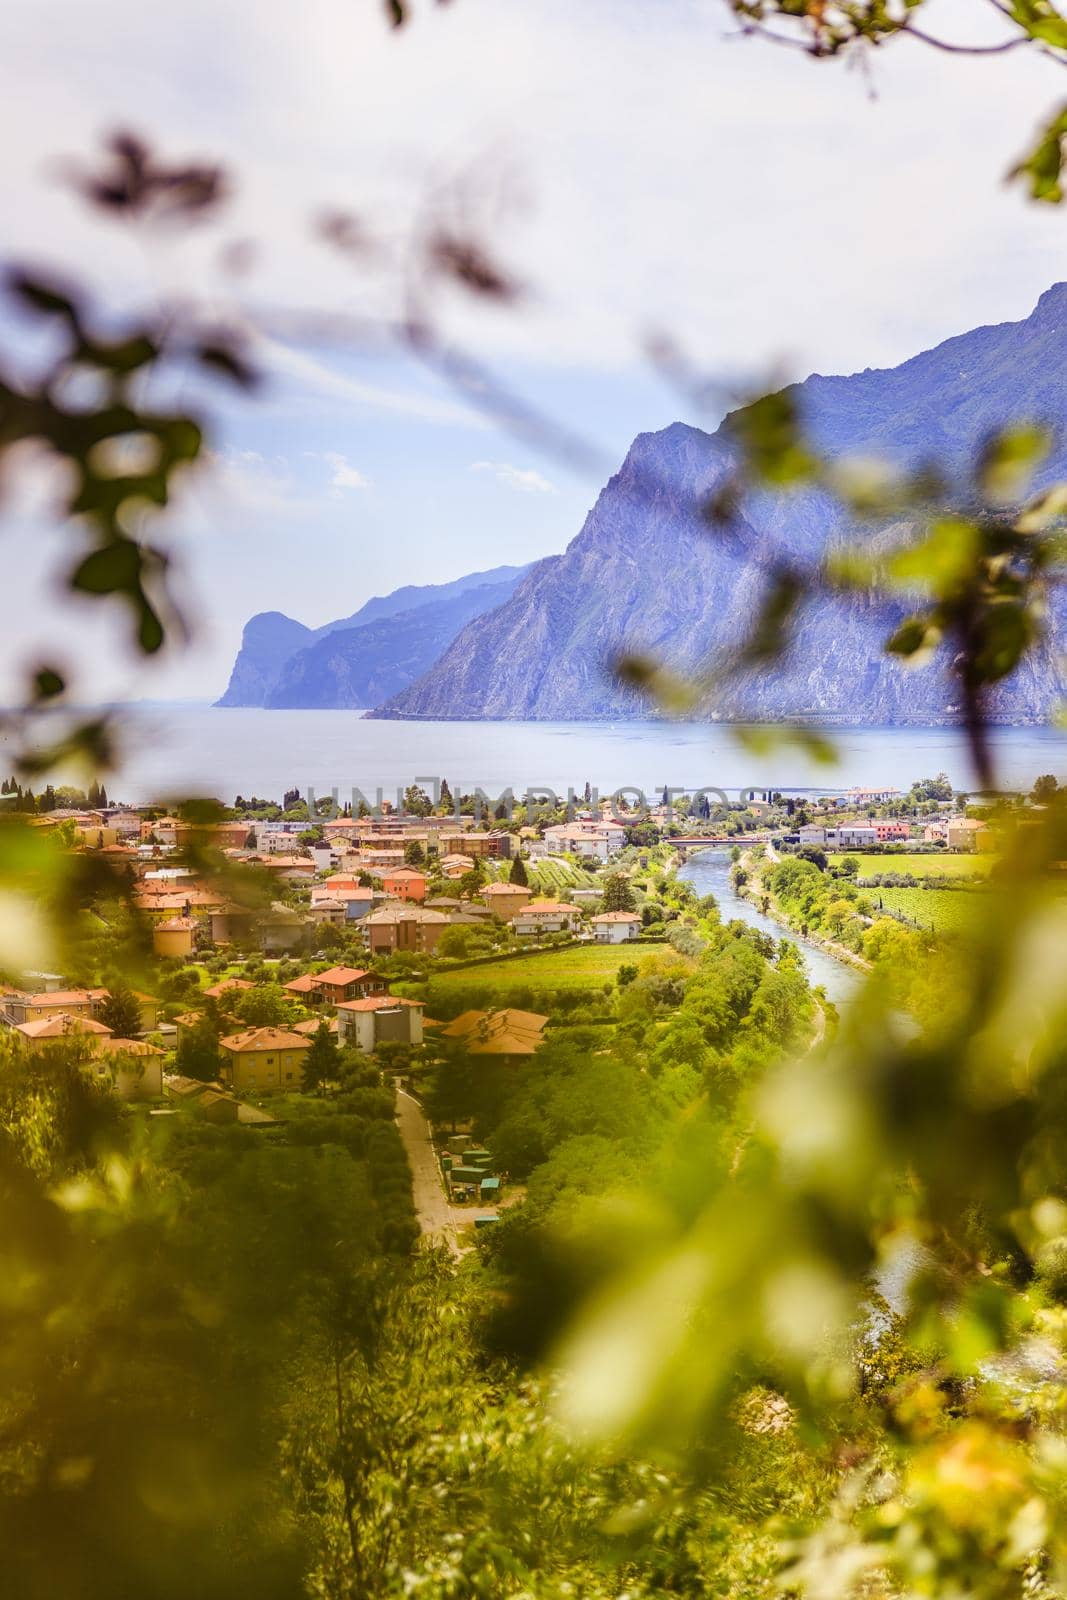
(360, 659)
(647, 575)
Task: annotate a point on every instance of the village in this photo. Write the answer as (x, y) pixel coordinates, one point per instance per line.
(287, 948)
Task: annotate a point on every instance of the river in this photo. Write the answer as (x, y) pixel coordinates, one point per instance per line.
(183, 748)
(709, 873)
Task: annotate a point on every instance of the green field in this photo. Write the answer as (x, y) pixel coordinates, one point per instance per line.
(947, 911)
(579, 967)
(920, 866)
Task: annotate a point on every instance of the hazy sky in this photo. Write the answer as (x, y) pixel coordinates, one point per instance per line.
(638, 169)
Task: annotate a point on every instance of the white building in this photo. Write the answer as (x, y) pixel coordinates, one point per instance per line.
(377, 1020)
(547, 916)
(616, 927)
(599, 839)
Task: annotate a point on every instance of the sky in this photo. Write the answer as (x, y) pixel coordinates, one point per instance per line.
(640, 171)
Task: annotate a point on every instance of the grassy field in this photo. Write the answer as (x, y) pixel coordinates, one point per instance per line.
(581, 967)
(945, 910)
(920, 866)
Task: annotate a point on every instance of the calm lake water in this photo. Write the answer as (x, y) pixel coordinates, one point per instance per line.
(198, 749)
(709, 873)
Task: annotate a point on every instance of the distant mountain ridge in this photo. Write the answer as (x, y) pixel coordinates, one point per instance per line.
(646, 574)
(363, 658)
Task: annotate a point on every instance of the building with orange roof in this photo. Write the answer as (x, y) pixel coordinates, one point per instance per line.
(20, 1008)
(508, 1033)
(405, 883)
(338, 984)
(175, 936)
(547, 916)
(228, 986)
(404, 927)
(44, 1030)
(311, 1026)
(506, 900)
(263, 1060)
(616, 927)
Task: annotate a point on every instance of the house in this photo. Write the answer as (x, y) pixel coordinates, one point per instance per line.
(968, 833)
(811, 834)
(547, 916)
(891, 832)
(178, 1087)
(405, 883)
(281, 929)
(506, 900)
(508, 1034)
(19, 1008)
(456, 866)
(311, 1026)
(328, 913)
(380, 1019)
(339, 984)
(228, 986)
(871, 797)
(598, 839)
(136, 1067)
(263, 1060)
(381, 856)
(851, 837)
(232, 924)
(465, 844)
(176, 937)
(404, 928)
(61, 1026)
(355, 898)
(616, 927)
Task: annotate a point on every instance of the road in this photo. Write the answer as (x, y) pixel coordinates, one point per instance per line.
(439, 1222)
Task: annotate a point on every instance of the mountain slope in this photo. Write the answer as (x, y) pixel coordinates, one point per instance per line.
(647, 575)
(271, 640)
(362, 666)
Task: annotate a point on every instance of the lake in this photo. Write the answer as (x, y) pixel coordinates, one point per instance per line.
(173, 749)
(709, 873)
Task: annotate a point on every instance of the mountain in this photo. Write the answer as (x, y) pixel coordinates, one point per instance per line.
(402, 633)
(362, 666)
(648, 575)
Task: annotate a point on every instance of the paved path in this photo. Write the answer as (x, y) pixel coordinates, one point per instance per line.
(438, 1220)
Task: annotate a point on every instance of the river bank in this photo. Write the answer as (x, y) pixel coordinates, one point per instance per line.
(756, 885)
(709, 873)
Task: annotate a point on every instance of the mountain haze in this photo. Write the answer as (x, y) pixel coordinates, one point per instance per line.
(646, 574)
(373, 653)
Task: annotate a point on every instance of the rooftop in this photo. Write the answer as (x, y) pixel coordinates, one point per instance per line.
(256, 1039)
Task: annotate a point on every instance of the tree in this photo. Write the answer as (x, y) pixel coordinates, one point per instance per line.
(471, 882)
(417, 802)
(121, 1012)
(265, 1006)
(517, 873)
(198, 1053)
(322, 1061)
(414, 854)
(849, 867)
(618, 895)
(1044, 789)
(812, 853)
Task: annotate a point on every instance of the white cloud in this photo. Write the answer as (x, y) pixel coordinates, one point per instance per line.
(525, 479)
(345, 476)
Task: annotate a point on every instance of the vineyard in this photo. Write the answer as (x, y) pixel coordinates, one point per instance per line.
(554, 877)
(946, 911)
(921, 866)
